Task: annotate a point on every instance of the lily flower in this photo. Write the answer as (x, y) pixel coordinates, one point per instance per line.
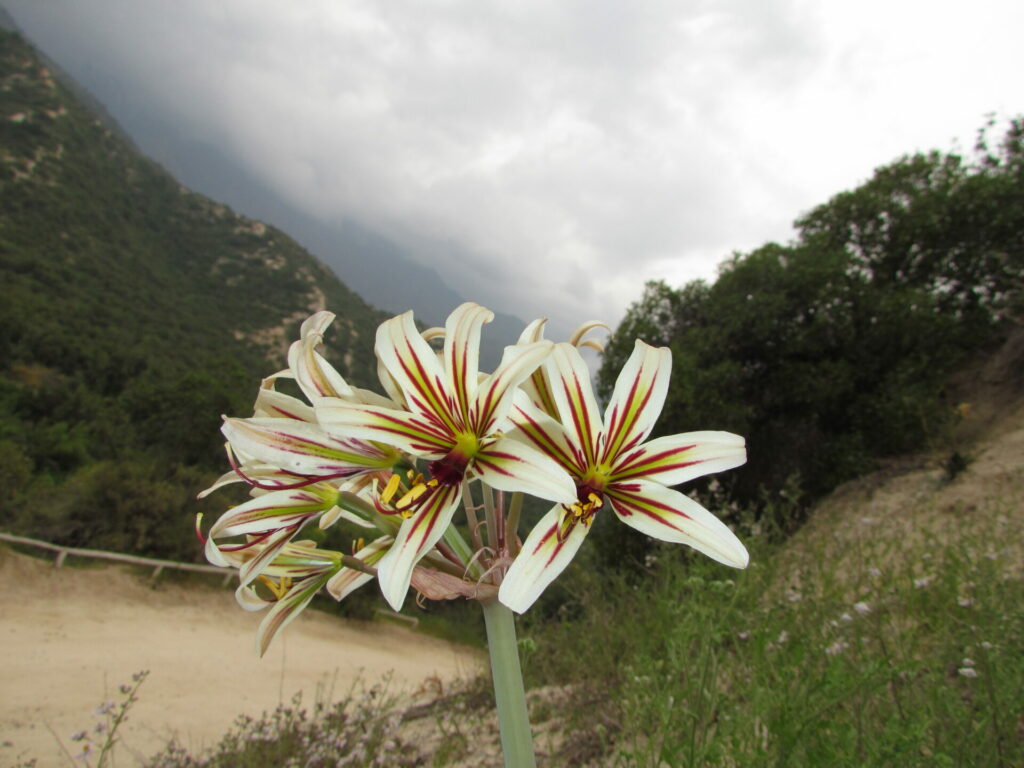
(610, 463)
(455, 421)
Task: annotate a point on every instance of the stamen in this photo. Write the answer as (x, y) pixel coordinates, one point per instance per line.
(583, 510)
(410, 497)
(278, 589)
(390, 488)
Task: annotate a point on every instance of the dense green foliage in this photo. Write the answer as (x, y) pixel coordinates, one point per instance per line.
(135, 313)
(835, 350)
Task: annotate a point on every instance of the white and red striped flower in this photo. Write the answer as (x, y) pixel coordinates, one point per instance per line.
(454, 419)
(610, 462)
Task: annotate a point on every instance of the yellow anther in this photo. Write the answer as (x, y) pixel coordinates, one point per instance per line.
(390, 488)
(595, 500)
(277, 589)
(410, 498)
(358, 544)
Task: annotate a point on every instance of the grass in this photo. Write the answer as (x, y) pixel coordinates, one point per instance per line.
(848, 645)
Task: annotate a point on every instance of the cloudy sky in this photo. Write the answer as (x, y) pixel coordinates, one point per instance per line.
(548, 157)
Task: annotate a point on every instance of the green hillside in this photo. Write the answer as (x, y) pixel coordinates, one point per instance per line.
(134, 313)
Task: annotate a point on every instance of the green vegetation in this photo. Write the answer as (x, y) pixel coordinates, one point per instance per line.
(836, 350)
(873, 642)
(135, 313)
(361, 728)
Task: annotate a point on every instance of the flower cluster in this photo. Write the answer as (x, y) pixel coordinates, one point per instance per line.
(445, 435)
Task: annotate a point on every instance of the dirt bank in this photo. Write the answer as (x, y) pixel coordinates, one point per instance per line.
(70, 637)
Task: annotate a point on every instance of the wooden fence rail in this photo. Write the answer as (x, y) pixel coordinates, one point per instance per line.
(157, 565)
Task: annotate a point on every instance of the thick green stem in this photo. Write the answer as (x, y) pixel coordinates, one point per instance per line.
(509, 694)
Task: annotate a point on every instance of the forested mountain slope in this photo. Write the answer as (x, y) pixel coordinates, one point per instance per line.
(134, 313)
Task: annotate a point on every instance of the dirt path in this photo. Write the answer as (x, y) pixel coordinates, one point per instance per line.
(70, 637)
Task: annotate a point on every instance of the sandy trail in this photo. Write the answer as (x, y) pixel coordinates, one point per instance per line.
(70, 637)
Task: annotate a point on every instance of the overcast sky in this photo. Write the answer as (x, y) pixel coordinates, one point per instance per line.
(549, 157)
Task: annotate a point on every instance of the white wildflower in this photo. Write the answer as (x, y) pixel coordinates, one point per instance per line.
(837, 647)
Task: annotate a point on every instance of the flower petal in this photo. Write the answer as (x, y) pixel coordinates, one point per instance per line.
(247, 598)
(415, 538)
(577, 340)
(574, 397)
(496, 393)
(262, 476)
(276, 509)
(536, 428)
(272, 404)
(272, 544)
(302, 560)
(286, 609)
(416, 434)
(302, 448)
(677, 458)
(348, 580)
(637, 400)
(315, 376)
(415, 368)
(665, 514)
(462, 351)
(542, 558)
(533, 332)
(369, 397)
(506, 464)
(226, 479)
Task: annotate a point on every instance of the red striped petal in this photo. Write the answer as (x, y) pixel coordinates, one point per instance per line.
(678, 458)
(547, 551)
(665, 514)
(415, 538)
(637, 400)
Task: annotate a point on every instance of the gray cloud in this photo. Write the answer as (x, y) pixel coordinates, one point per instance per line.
(546, 157)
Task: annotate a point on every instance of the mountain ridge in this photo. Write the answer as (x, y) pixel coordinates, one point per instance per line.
(135, 313)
